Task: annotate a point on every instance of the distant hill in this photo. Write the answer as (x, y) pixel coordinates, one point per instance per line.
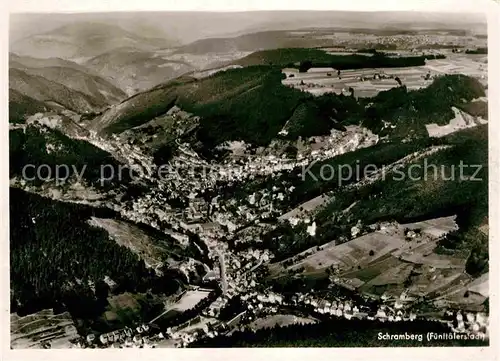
(45, 90)
(190, 26)
(94, 86)
(22, 106)
(251, 104)
(376, 21)
(22, 62)
(305, 58)
(247, 104)
(285, 57)
(134, 70)
(253, 42)
(83, 39)
(312, 35)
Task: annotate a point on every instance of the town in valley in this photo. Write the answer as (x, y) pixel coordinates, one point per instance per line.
(281, 180)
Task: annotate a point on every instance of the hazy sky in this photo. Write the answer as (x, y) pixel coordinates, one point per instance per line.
(243, 5)
(189, 26)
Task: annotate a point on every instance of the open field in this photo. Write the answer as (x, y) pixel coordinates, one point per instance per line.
(377, 275)
(43, 327)
(472, 302)
(184, 302)
(424, 255)
(467, 64)
(391, 259)
(435, 228)
(394, 275)
(124, 300)
(319, 81)
(350, 254)
(427, 280)
(189, 300)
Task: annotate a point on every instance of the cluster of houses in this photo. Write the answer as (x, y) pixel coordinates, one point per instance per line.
(214, 308)
(335, 307)
(265, 303)
(138, 337)
(474, 323)
(240, 275)
(154, 209)
(411, 42)
(270, 303)
(187, 333)
(348, 309)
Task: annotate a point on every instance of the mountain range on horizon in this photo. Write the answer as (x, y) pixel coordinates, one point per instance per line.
(184, 27)
(168, 185)
(83, 39)
(103, 58)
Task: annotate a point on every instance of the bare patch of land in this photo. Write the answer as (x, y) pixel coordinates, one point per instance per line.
(42, 329)
(461, 120)
(189, 299)
(280, 320)
(150, 249)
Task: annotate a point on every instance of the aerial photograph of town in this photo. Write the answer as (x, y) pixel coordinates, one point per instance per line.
(248, 179)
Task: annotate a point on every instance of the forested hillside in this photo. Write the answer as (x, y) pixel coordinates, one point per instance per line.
(98, 89)
(248, 104)
(22, 106)
(434, 188)
(59, 260)
(44, 90)
(51, 148)
(304, 59)
(252, 105)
